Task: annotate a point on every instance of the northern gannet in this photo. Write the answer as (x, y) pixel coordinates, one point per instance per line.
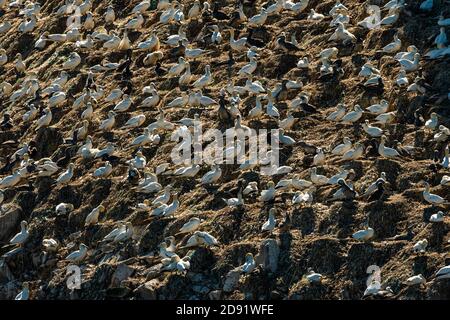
(175, 39)
(342, 174)
(235, 202)
(303, 197)
(368, 70)
(22, 236)
(216, 36)
(312, 276)
(173, 207)
(258, 19)
(249, 68)
(124, 104)
(393, 46)
(134, 122)
(92, 217)
(195, 10)
(104, 171)
(288, 122)
(212, 176)
(239, 44)
(342, 34)
(285, 45)
(110, 236)
(297, 7)
(78, 255)
(125, 232)
(317, 179)
(249, 264)
(254, 87)
(445, 181)
(443, 273)
(205, 79)
(379, 108)
(434, 199)
(66, 176)
(354, 153)
(319, 158)
(416, 280)
(56, 99)
(190, 226)
(152, 44)
(72, 62)
(124, 43)
(284, 139)
(269, 194)
(338, 114)
(420, 246)
(107, 124)
(313, 15)
(372, 130)
(25, 293)
(50, 245)
(433, 122)
(45, 120)
(364, 235)
(187, 172)
(250, 188)
(385, 151)
(269, 225)
(352, 116)
(385, 118)
(303, 63)
(11, 180)
(410, 65)
(19, 64)
(426, 5)
(141, 7)
(64, 208)
(443, 22)
(109, 15)
(391, 17)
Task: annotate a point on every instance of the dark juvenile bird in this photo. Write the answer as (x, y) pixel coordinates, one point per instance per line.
(307, 148)
(306, 106)
(128, 87)
(418, 117)
(287, 46)
(32, 150)
(376, 89)
(219, 15)
(133, 175)
(235, 19)
(127, 62)
(126, 74)
(436, 165)
(404, 152)
(286, 223)
(346, 190)
(281, 94)
(230, 63)
(408, 235)
(378, 194)
(178, 51)
(159, 70)
(254, 42)
(6, 123)
(90, 81)
(223, 112)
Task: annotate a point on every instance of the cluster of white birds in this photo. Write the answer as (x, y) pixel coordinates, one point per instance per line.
(87, 30)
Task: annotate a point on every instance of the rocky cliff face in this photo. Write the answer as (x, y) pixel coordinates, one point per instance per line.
(318, 235)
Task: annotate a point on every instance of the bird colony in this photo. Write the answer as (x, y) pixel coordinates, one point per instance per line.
(92, 91)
